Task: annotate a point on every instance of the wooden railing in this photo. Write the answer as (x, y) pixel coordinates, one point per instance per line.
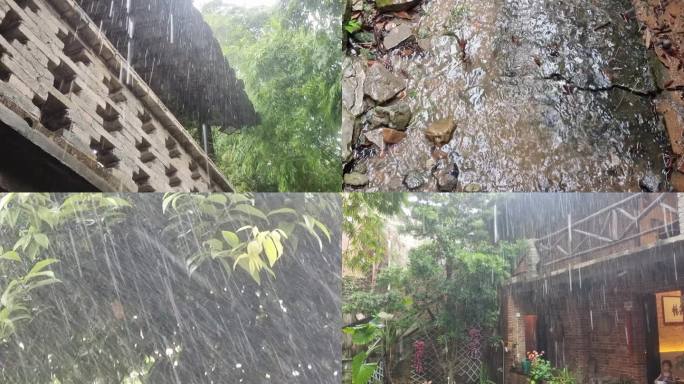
(634, 222)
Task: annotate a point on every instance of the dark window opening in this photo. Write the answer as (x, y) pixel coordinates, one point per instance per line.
(104, 152)
(54, 115)
(110, 118)
(9, 28)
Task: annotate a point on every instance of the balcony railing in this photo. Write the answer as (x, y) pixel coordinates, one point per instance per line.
(632, 223)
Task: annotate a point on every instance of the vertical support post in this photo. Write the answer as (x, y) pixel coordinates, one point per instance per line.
(206, 131)
(205, 138)
(569, 234)
(496, 228)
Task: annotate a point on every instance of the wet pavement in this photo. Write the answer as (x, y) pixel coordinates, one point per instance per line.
(546, 96)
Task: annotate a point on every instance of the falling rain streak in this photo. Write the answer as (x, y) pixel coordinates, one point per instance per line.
(128, 306)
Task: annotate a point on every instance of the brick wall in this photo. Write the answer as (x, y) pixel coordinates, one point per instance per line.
(585, 333)
(67, 82)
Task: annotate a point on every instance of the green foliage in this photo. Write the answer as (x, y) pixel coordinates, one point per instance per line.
(370, 334)
(12, 302)
(381, 299)
(541, 371)
(563, 376)
(236, 233)
(291, 69)
(33, 217)
(353, 26)
(67, 322)
(364, 218)
(452, 279)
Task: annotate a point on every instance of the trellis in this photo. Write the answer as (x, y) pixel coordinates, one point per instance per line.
(467, 363)
(378, 375)
(431, 369)
(466, 366)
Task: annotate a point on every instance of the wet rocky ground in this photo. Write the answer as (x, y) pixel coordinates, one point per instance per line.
(663, 33)
(501, 95)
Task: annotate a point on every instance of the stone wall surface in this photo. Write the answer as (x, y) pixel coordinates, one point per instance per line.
(61, 75)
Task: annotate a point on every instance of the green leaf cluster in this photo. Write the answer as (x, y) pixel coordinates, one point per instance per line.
(237, 233)
(33, 217)
(364, 224)
(289, 61)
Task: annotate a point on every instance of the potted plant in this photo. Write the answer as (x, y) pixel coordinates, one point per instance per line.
(540, 369)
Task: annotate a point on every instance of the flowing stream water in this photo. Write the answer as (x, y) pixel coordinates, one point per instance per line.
(551, 96)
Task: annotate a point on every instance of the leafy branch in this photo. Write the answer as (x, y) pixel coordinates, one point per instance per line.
(236, 233)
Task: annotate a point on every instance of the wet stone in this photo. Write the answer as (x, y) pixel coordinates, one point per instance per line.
(441, 131)
(347, 134)
(472, 188)
(353, 81)
(392, 136)
(650, 182)
(424, 44)
(398, 35)
(447, 178)
(396, 116)
(361, 168)
(357, 5)
(382, 85)
(364, 37)
(395, 5)
(375, 137)
(355, 179)
(414, 180)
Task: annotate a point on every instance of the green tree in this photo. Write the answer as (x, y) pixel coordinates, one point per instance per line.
(454, 277)
(451, 283)
(291, 68)
(364, 225)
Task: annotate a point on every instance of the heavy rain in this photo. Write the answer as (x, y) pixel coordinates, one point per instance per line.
(512, 95)
(513, 288)
(159, 95)
(177, 288)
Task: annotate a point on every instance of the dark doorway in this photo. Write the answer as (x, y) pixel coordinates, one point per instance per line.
(24, 167)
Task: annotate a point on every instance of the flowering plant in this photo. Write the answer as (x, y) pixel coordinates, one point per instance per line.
(534, 355)
(540, 370)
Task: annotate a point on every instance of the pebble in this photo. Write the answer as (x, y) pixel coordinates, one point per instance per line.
(650, 182)
(472, 188)
(441, 131)
(414, 180)
(355, 179)
(447, 178)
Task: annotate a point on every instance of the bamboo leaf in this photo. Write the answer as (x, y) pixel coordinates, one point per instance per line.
(218, 198)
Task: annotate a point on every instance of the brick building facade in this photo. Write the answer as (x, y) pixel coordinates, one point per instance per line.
(75, 114)
(591, 298)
